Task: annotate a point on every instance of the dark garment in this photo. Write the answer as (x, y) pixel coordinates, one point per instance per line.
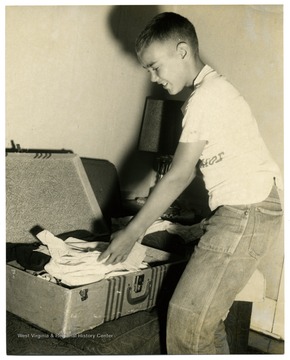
(27, 256)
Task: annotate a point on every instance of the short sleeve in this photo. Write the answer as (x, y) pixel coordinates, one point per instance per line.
(195, 124)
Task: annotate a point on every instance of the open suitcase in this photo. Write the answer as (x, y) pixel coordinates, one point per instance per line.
(52, 190)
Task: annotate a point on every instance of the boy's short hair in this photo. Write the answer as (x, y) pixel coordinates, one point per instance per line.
(165, 26)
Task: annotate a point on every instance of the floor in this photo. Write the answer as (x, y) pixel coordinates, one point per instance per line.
(262, 344)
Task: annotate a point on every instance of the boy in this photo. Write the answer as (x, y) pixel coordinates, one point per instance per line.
(240, 176)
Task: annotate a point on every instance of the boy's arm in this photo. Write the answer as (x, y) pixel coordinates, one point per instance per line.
(173, 183)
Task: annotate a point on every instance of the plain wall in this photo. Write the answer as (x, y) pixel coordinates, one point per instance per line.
(73, 82)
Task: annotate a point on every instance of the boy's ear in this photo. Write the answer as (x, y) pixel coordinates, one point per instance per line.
(182, 49)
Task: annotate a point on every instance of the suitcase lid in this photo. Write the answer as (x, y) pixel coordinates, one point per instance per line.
(49, 190)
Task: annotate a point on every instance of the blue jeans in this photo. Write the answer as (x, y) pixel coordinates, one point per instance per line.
(234, 241)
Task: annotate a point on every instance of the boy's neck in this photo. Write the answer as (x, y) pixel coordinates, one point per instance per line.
(197, 67)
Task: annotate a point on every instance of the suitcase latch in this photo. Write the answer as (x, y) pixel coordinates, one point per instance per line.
(138, 283)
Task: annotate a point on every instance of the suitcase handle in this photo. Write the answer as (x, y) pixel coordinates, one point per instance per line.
(136, 300)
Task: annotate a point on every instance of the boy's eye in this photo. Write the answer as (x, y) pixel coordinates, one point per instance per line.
(153, 69)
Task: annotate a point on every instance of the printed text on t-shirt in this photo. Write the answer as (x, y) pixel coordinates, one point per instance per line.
(213, 160)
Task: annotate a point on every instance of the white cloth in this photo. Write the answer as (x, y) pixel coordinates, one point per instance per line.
(186, 232)
(74, 261)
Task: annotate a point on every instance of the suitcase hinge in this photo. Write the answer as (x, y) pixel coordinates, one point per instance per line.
(84, 294)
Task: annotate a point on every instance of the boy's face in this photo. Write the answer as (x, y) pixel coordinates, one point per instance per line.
(166, 65)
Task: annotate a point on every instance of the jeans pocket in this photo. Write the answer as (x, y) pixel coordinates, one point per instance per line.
(224, 230)
(268, 220)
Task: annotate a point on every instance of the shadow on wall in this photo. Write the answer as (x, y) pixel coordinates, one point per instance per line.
(125, 23)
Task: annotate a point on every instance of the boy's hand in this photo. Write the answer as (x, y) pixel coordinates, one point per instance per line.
(119, 248)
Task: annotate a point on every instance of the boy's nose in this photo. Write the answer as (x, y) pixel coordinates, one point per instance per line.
(154, 77)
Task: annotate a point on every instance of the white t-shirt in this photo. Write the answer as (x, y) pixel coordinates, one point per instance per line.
(235, 162)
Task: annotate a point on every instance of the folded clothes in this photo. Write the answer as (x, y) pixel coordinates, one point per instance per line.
(74, 261)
